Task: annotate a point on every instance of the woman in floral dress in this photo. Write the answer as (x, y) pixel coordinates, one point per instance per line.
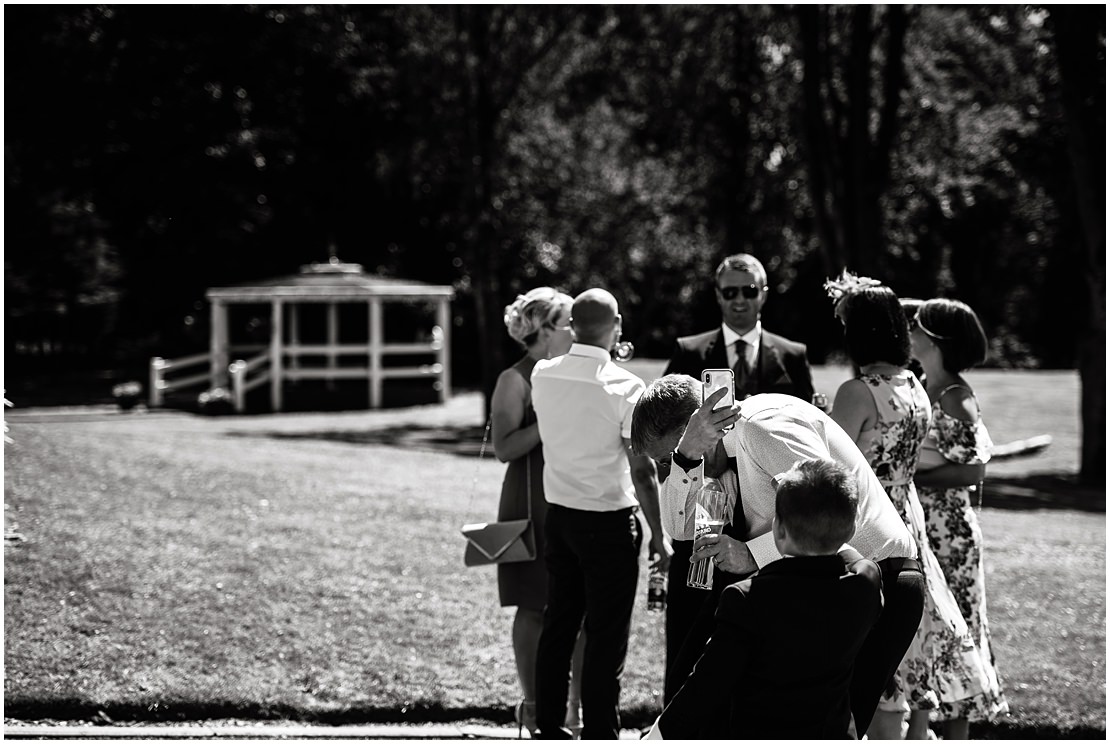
(947, 339)
(886, 410)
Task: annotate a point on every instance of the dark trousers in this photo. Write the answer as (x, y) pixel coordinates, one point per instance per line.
(691, 617)
(683, 606)
(593, 566)
(886, 644)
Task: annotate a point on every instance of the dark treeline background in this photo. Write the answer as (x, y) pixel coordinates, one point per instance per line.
(153, 152)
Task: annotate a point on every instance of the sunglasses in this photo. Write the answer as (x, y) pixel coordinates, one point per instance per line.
(749, 291)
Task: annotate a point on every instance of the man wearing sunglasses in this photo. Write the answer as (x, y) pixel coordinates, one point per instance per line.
(762, 362)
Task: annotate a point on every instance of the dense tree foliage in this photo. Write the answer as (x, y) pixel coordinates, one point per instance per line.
(155, 151)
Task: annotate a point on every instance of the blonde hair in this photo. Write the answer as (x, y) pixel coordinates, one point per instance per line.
(533, 310)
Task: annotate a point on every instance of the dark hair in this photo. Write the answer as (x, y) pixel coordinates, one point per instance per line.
(665, 406)
(910, 306)
(816, 501)
(957, 332)
(875, 327)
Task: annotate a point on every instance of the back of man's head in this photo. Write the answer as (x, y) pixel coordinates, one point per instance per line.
(816, 502)
(592, 317)
(665, 406)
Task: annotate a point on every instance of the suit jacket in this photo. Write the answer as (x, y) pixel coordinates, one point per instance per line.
(782, 367)
(780, 660)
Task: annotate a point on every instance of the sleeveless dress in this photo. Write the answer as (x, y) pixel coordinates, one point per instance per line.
(940, 665)
(957, 541)
(524, 584)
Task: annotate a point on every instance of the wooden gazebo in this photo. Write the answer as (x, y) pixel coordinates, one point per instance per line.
(330, 356)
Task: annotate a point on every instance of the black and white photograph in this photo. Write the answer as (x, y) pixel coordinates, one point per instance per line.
(588, 371)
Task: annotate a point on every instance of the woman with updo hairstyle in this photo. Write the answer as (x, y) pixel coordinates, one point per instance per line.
(540, 322)
(885, 410)
(948, 339)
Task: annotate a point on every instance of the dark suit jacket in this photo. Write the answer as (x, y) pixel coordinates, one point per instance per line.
(780, 660)
(782, 368)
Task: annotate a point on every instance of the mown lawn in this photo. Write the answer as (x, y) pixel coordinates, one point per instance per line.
(176, 565)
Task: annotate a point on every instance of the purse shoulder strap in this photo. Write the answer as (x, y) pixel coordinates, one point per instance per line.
(477, 468)
(528, 477)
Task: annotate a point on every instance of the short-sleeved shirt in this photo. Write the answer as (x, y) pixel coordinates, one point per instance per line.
(774, 432)
(584, 403)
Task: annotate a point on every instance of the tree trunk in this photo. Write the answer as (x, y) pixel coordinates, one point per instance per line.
(1081, 56)
(849, 167)
(478, 237)
(819, 150)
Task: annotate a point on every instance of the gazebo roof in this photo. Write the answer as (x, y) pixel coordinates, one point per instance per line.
(333, 280)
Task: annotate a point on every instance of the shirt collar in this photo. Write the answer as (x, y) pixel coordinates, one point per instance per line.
(586, 350)
(751, 338)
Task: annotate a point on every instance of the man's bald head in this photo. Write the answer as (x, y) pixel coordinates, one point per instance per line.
(593, 318)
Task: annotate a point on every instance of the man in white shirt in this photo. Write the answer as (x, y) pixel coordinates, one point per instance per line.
(762, 362)
(593, 484)
(769, 434)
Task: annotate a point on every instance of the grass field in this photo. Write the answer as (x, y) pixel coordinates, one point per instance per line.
(294, 566)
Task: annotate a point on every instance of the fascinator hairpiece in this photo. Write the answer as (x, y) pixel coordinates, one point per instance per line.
(848, 283)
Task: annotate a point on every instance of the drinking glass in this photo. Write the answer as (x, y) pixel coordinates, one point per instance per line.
(709, 519)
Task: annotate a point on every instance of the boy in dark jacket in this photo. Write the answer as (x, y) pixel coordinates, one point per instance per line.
(779, 662)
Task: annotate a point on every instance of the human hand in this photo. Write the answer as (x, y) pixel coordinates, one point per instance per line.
(728, 553)
(662, 551)
(707, 426)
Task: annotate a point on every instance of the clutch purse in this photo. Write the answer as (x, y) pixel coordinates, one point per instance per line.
(499, 542)
(511, 541)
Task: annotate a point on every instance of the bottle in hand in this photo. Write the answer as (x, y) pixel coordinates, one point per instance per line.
(657, 588)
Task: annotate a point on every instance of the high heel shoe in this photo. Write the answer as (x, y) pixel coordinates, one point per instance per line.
(573, 721)
(525, 713)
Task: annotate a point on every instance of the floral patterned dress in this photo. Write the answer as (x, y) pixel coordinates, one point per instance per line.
(957, 541)
(940, 666)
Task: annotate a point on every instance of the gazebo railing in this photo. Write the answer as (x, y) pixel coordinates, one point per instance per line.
(240, 385)
(159, 385)
(244, 375)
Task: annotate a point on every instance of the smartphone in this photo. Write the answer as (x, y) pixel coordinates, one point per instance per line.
(714, 379)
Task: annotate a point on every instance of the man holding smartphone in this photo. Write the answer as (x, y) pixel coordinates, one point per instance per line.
(762, 362)
(767, 435)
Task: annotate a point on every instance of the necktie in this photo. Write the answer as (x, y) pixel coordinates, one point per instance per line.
(742, 370)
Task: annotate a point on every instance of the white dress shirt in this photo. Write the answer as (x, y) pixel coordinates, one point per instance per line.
(584, 403)
(751, 338)
(774, 432)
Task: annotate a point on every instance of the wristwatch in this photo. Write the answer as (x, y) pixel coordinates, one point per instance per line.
(683, 461)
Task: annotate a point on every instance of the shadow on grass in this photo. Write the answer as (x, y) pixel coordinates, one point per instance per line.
(1032, 491)
(73, 711)
(455, 440)
(1043, 491)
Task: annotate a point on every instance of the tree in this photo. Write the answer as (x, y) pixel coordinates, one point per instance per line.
(1080, 35)
(851, 121)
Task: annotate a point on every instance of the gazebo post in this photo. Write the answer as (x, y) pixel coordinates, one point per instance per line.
(333, 342)
(443, 320)
(294, 333)
(275, 355)
(217, 348)
(375, 361)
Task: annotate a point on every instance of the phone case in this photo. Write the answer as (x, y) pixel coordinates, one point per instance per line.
(712, 380)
